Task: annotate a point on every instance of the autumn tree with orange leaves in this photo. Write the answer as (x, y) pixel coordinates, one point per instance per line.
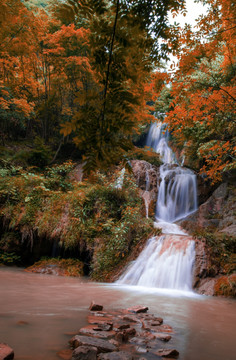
(201, 116)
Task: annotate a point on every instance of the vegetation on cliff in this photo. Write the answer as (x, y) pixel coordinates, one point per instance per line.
(94, 216)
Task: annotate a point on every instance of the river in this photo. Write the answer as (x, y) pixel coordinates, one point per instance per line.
(37, 311)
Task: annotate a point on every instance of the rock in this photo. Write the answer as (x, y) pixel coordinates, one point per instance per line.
(95, 307)
(162, 337)
(90, 331)
(101, 345)
(138, 309)
(119, 355)
(131, 318)
(170, 353)
(105, 326)
(165, 328)
(207, 286)
(6, 352)
(65, 354)
(85, 353)
(130, 332)
(122, 326)
(99, 319)
(122, 336)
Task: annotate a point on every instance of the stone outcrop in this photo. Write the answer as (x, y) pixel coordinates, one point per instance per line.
(217, 212)
(147, 178)
(134, 333)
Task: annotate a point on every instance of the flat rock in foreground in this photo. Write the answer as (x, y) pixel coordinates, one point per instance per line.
(101, 345)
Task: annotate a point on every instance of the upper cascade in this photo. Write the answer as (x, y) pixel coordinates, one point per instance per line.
(177, 196)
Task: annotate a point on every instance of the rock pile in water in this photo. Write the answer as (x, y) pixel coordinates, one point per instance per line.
(122, 335)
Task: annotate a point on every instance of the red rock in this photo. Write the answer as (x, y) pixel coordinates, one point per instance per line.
(101, 345)
(138, 309)
(122, 326)
(95, 307)
(130, 331)
(65, 354)
(131, 318)
(93, 319)
(121, 336)
(170, 353)
(6, 352)
(89, 330)
(104, 326)
(85, 353)
(165, 328)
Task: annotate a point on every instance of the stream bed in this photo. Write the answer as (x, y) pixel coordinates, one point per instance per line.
(38, 311)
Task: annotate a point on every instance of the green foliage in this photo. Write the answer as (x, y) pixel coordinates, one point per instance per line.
(9, 258)
(92, 215)
(40, 155)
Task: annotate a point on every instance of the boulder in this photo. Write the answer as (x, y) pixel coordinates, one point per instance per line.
(95, 307)
(84, 353)
(6, 352)
(101, 345)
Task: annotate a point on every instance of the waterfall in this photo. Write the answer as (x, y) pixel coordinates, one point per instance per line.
(167, 261)
(164, 263)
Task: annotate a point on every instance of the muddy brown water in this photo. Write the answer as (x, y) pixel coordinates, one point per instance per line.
(37, 311)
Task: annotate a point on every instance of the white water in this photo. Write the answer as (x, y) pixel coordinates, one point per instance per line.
(167, 261)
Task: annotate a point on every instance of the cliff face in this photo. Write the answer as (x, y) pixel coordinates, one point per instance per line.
(214, 227)
(147, 178)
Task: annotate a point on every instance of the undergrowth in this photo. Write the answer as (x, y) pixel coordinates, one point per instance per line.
(93, 215)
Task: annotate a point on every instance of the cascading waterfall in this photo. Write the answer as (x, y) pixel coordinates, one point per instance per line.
(167, 261)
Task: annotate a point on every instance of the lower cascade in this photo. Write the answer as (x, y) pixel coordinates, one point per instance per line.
(167, 261)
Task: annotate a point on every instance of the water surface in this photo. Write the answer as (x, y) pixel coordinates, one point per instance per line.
(36, 312)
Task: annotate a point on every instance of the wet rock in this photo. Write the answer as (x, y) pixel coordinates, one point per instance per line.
(65, 354)
(121, 355)
(99, 319)
(85, 353)
(101, 345)
(207, 287)
(130, 332)
(165, 328)
(138, 309)
(162, 337)
(95, 307)
(122, 326)
(122, 336)
(105, 326)
(131, 318)
(99, 333)
(138, 341)
(169, 353)
(6, 352)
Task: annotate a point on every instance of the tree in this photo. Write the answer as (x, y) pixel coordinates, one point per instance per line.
(202, 114)
(118, 30)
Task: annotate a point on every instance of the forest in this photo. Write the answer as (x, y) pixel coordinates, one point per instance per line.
(80, 84)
